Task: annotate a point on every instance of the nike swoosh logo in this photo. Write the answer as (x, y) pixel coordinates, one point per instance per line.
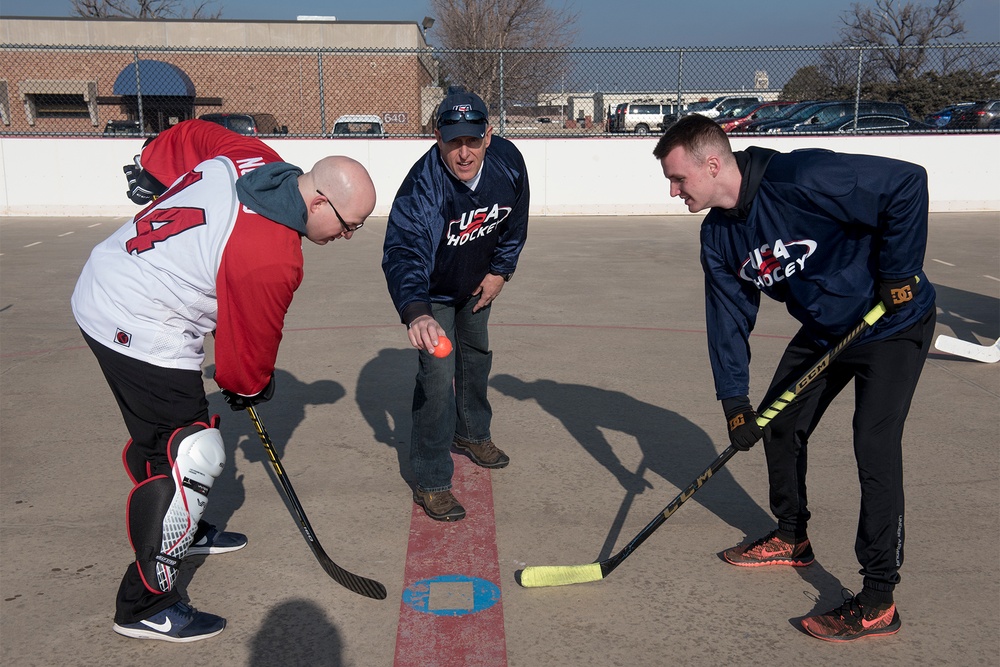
(159, 627)
(767, 553)
(877, 621)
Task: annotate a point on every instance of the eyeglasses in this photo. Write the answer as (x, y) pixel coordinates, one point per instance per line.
(347, 228)
(454, 117)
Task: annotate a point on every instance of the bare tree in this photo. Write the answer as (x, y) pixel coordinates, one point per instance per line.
(892, 24)
(489, 26)
(145, 9)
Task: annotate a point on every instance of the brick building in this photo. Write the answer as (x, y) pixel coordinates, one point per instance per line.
(74, 75)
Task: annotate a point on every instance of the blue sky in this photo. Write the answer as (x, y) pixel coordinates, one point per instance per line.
(609, 23)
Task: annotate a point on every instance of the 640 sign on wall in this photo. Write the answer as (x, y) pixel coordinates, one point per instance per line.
(396, 117)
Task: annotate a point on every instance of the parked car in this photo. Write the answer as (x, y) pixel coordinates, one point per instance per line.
(247, 123)
(734, 119)
(122, 127)
(721, 105)
(873, 123)
(830, 112)
(783, 114)
(640, 117)
(976, 116)
(942, 117)
(359, 125)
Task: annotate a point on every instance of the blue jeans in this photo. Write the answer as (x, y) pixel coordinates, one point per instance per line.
(449, 399)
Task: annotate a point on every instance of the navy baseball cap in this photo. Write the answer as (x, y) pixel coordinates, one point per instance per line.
(462, 115)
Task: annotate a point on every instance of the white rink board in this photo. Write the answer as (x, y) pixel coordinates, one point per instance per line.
(70, 176)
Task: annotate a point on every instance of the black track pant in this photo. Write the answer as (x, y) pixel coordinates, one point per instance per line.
(885, 374)
(154, 402)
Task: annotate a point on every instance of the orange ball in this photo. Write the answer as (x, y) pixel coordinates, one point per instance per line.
(443, 348)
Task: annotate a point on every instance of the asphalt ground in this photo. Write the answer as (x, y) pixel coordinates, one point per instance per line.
(603, 398)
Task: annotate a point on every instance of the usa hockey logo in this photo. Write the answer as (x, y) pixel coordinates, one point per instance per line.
(123, 338)
(768, 266)
(476, 224)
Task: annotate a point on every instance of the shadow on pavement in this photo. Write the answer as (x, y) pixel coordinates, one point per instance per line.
(968, 314)
(672, 447)
(384, 393)
(296, 632)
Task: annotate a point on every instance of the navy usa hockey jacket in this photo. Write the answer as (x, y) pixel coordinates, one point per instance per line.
(443, 238)
(818, 231)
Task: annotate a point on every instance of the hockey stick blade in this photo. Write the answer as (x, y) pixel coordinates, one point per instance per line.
(562, 575)
(352, 582)
(989, 354)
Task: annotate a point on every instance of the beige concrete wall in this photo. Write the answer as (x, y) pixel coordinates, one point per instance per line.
(216, 34)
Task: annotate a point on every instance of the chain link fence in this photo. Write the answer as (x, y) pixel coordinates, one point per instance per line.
(115, 91)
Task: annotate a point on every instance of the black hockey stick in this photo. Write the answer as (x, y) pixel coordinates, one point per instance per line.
(360, 585)
(560, 575)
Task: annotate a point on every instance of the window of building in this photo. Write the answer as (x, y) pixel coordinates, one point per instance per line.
(4, 104)
(59, 99)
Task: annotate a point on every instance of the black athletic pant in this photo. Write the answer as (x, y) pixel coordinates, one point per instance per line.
(885, 374)
(154, 402)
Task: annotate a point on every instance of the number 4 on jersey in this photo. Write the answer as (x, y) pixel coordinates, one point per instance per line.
(162, 223)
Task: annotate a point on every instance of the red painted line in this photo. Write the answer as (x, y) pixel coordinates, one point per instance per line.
(467, 547)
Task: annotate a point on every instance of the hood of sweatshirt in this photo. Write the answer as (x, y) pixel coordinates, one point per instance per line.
(273, 192)
(752, 164)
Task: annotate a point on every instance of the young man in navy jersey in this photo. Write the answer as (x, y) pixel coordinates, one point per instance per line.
(830, 235)
(455, 231)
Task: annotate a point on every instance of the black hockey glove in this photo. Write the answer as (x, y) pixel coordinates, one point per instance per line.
(897, 293)
(742, 422)
(142, 187)
(239, 402)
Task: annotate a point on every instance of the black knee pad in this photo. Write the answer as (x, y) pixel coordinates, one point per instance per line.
(163, 511)
(136, 465)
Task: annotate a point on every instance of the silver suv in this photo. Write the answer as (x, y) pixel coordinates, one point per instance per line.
(640, 117)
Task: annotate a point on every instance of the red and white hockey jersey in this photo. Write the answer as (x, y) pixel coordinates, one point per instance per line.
(193, 262)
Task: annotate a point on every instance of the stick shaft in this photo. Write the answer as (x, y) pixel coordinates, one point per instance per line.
(763, 419)
(353, 582)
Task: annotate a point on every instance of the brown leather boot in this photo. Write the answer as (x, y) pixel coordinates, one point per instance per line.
(484, 454)
(439, 505)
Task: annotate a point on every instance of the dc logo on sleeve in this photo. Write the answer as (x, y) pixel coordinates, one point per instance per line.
(123, 338)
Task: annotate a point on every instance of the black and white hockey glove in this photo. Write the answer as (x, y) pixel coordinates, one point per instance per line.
(897, 293)
(741, 419)
(239, 402)
(142, 188)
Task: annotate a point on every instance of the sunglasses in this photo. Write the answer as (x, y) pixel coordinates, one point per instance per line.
(454, 117)
(347, 228)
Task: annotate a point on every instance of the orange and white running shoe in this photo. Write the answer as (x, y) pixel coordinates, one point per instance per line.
(770, 550)
(853, 620)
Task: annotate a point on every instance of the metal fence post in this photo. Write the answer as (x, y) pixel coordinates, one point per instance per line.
(138, 89)
(503, 107)
(857, 90)
(322, 93)
(680, 80)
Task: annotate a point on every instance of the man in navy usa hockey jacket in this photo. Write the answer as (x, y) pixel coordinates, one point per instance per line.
(829, 235)
(455, 232)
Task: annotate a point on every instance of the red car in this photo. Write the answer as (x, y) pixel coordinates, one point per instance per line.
(741, 117)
